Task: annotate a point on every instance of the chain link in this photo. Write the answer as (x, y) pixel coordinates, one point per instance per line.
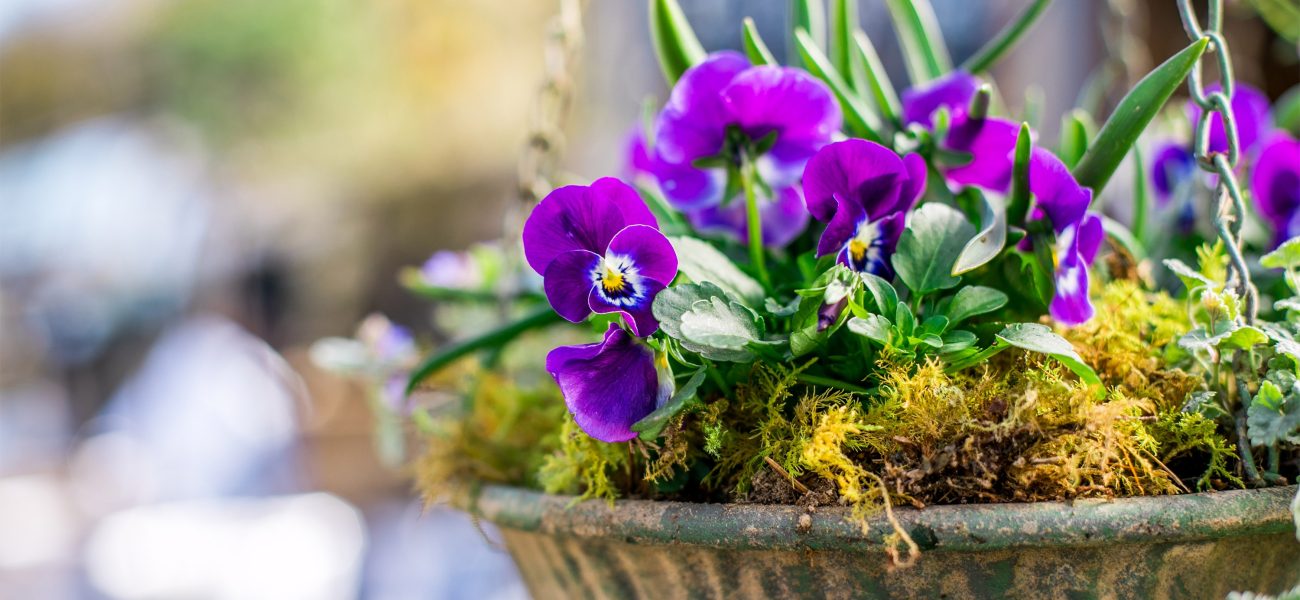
(1231, 212)
(540, 155)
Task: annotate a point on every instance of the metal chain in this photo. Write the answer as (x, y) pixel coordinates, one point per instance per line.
(1231, 213)
(563, 51)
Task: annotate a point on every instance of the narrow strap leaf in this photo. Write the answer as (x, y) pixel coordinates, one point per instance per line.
(809, 16)
(1132, 115)
(877, 80)
(1076, 133)
(843, 20)
(1018, 204)
(755, 49)
(924, 52)
(675, 43)
(1141, 199)
(859, 119)
(993, 50)
(541, 317)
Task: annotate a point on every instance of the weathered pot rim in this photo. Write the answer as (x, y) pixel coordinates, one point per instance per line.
(956, 528)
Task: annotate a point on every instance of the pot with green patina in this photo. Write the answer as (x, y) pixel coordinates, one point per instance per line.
(1190, 546)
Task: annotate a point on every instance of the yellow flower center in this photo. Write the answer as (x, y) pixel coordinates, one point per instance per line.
(612, 281)
(857, 249)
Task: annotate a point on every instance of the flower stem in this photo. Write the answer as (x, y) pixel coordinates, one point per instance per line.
(753, 222)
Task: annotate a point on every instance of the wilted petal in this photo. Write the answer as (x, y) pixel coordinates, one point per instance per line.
(789, 101)
(693, 122)
(992, 144)
(579, 217)
(1173, 164)
(1275, 184)
(857, 171)
(953, 91)
(607, 386)
(567, 282)
(1250, 110)
(648, 250)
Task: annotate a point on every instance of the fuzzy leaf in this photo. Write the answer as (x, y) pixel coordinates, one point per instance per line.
(1040, 338)
(989, 241)
(1203, 402)
(1287, 256)
(874, 327)
(974, 300)
(720, 324)
(777, 309)
(686, 397)
(701, 262)
(1191, 278)
(673, 304)
(929, 246)
(1244, 338)
(675, 43)
(1273, 416)
(1132, 115)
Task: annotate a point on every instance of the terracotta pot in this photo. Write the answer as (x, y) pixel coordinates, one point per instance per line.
(1191, 546)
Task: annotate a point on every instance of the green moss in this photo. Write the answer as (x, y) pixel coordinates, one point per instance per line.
(584, 466)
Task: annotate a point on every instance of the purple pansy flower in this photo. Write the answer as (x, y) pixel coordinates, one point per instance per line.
(1173, 165)
(989, 141)
(451, 269)
(1275, 186)
(1250, 110)
(599, 249)
(724, 107)
(609, 385)
(863, 191)
(1078, 234)
(782, 220)
(953, 91)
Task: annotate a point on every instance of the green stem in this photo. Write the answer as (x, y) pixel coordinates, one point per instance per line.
(833, 383)
(753, 222)
(540, 317)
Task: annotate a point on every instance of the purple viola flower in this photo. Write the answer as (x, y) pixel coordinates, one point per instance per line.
(863, 191)
(1173, 165)
(451, 269)
(598, 248)
(638, 161)
(720, 111)
(783, 220)
(1078, 234)
(1275, 186)
(953, 91)
(1251, 112)
(609, 385)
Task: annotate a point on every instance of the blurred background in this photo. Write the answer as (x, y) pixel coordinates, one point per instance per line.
(193, 191)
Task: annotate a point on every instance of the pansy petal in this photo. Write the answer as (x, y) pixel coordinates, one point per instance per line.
(693, 122)
(842, 227)
(687, 187)
(1059, 195)
(991, 144)
(782, 220)
(1250, 110)
(1071, 304)
(567, 282)
(607, 386)
(650, 252)
(1275, 183)
(953, 91)
(635, 309)
(789, 101)
(1172, 165)
(637, 160)
(914, 187)
(1091, 234)
(857, 171)
(576, 217)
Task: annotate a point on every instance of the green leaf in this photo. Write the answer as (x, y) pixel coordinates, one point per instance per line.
(1244, 338)
(905, 319)
(859, 119)
(929, 246)
(924, 51)
(721, 324)
(495, 338)
(1286, 256)
(1132, 115)
(755, 49)
(935, 324)
(989, 241)
(1190, 277)
(1286, 111)
(873, 327)
(1282, 16)
(974, 300)
(884, 294)
(808, 16)
(700, 262)
(1040, 338)
(1018, 203)
(777, 309)
(843, 20)
(1076, 133)
(992, 50)
(1273, 416)
(956, 341)
(673, 305)
(675, 43)
(686, 397)
(876, 79)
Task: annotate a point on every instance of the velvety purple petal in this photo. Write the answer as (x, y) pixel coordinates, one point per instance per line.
(635, 309)
(577, 217)
(782, 220)
(637, 160)
(687, 187)
(1251, 112)
(953, 91)
(842, 227)
(607, 386)
(1275, 183)
(1070, 304)
(650, 252)
(789, 101)
(991, 144)
(914, 187)
(783, 165)
(1059, 195)
(1091, 234)
(693, 122)
(567, 282)
(857, 171)
(1173, 164)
